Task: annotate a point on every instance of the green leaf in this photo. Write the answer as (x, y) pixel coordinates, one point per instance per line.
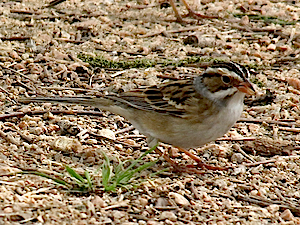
(88, 178)
(74, 174)
(106, 171)
(59, 181)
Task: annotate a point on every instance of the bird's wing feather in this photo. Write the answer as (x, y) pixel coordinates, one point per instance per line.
(177, 98)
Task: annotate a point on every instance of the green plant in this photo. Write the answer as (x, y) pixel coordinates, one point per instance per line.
(113, 176)
(120, 176)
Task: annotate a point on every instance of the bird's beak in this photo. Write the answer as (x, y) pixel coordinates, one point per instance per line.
(246, 87)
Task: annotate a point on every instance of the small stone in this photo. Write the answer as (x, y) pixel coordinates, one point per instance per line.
(14, 55)
(256, 170)
(245, 20)
(153, 222)
(66, 144)
(287, 215)
(253, 193)
(274, 169)
(97, 201)
(25, 56)
(8, 210)
(38, 130)
(161, 202)
(262, 191)
(118, 146)
(108, 134)
(23, 125)
(118, 214)
(273, 208)
(284, 48)
(91, 141)
(179, 199)
(143, 201)
(237, 157)
(271, 47)
(65, 35)
(168, 215)
(239, 170)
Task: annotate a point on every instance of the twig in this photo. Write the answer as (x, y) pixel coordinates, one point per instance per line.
(17, 72)
(24, 11)
(170, 31)
(124, 130)
(9, 138)
(238, 148)
(68, 88)
(33, 89)
(25, 137)
(7, 95)
(15, 38)
(260, 163)
(142, 6)
(132, 136)
(295, 130)
(53, 3)
(41, 112)
(266, 202)
(288, 124)
(237, 139)
(69, 40)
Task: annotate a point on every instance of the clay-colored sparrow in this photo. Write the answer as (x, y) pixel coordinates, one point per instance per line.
(185, 113)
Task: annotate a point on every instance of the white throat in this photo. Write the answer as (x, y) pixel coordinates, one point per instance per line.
(222, 93)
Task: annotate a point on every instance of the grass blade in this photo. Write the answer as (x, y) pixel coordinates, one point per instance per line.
(88, 178)
(74, 174)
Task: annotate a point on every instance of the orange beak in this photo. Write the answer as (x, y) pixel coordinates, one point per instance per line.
(246, 87)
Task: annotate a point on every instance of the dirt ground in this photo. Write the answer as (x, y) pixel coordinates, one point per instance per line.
(85, 47)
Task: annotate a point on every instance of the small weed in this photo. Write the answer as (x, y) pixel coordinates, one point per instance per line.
(120, 176)
(113, 176)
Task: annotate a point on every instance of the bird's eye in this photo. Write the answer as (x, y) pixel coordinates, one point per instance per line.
(226, 79)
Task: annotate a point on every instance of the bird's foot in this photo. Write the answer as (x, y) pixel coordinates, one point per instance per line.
(200, 163)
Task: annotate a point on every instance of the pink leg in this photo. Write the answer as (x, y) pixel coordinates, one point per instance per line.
(199, 161)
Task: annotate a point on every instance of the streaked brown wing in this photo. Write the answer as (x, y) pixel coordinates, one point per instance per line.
(177, 98)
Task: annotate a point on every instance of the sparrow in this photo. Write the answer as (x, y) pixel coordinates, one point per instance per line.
(184, 113)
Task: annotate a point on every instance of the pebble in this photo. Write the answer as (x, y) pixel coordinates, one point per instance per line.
(118, 214)
(108, 134)
(273, 208)
(239, 170)
(271, 47)
(168, 215)
(161, 202)
(179, 199)
(66, 144)
(153, 222)
(97, 201)
(287, 215)
(237, 157)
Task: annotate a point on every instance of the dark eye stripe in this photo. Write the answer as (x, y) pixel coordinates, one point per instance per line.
(211, 75)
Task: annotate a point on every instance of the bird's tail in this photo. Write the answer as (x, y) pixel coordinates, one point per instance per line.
(100, 102)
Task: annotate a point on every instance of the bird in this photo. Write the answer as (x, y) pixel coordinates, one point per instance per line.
(185, 113)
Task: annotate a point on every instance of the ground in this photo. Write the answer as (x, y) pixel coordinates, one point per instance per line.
(87, 47)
